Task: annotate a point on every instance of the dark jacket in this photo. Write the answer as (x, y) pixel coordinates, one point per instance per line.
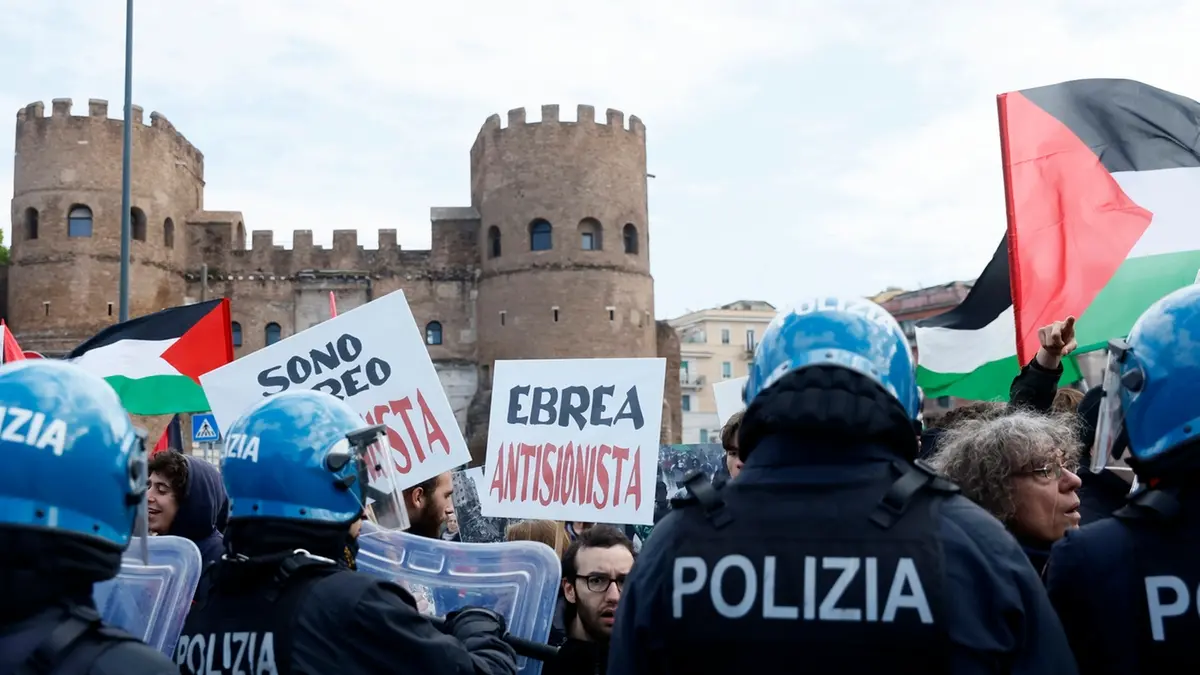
(997, 608)
(1099, 589)
(203, 506)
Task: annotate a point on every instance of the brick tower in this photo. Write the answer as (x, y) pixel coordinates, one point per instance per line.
(65, 255)
(564, 246)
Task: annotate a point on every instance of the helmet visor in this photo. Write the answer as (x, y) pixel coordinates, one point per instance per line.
(139, 489)
(383, 500)
(1111, 417)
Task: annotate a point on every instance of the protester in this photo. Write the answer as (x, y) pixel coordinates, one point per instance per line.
(594, 570)
(186, 499)
(1036, 388)
(429, 504)
(729, 441)
(68, 504)
(1021, 468)
(450, 528)
(280, 597)
(548, 532)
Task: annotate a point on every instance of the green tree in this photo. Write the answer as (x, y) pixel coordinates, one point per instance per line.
(3, 250)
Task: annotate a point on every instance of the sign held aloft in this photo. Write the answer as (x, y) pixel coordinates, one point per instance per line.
(373, 358)
(574, 439)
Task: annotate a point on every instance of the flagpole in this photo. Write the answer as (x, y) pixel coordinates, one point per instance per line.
(126, 152)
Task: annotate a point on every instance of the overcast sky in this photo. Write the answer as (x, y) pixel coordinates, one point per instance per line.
(799, 147)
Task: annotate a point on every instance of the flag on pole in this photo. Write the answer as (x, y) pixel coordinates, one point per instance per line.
(1102, 184)
(154, 362)
(172, 437)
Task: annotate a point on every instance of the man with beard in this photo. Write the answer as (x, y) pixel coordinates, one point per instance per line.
(429, 504)
(594, 570)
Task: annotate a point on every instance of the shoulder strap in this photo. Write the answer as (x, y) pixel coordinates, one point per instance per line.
(1158, 505)
(700, 490)
(68, 643)
(913, 479)
(296, 568)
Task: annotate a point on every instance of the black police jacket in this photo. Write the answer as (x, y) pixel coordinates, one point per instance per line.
(986, 609)
(72, 640)
(330, 621)
(1126, 587)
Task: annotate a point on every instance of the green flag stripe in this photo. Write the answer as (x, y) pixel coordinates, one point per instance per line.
(159, 394)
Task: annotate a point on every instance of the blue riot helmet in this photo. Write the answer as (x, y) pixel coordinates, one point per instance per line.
(73, 460)
(307, 456)
(855, 334)
(1152, 384)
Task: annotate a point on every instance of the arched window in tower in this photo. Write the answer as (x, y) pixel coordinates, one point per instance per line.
(79, 221)
(590, 235)
(433, 333)
(31, 223)
(541, 236)
(493, 242)
(235, 329)
(273, 333)
(169, 233)
(630, 235)
(137, 224)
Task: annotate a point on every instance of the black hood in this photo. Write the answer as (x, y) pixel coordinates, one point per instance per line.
(204, 504)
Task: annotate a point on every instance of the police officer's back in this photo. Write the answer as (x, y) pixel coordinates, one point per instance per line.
(73, 480)
(831, 552)
(1127, 587)
(296, 471)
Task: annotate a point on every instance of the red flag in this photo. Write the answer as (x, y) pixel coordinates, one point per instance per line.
(172, 438)
(12, 350)
(332, 305)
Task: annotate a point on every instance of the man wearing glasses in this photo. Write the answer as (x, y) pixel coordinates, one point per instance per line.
(594, 571)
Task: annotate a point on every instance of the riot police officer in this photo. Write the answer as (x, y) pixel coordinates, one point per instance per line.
(1127, 588)
(833, 551)
(73, 482)
(298, 468)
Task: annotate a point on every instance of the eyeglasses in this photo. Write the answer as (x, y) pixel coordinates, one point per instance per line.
(599, 583)
(1054, 470)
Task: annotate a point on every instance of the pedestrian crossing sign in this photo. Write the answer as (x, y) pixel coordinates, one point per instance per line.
(204, 428)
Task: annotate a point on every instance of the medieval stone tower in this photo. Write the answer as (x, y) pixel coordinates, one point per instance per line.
(564, 248)
(550, 260)
(67, 220)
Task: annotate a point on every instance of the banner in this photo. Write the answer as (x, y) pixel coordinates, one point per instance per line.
(374, 358)
(574, 440)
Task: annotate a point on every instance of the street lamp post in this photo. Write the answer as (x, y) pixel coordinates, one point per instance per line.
(126, 152)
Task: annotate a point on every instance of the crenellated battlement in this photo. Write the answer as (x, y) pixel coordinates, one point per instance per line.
(585, 117)
(97, 112)
(263, 241)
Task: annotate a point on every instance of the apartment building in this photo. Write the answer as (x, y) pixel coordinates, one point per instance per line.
(715, 344)
(909, 307)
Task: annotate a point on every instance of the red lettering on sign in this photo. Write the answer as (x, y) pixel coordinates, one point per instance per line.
(410, 446)
(601, 476)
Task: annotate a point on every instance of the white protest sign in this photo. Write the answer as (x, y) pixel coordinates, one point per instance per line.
(574, 440)
(729, 398)
(373, 358)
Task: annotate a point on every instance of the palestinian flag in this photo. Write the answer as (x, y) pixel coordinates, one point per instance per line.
(154, 362)
(1102, 185)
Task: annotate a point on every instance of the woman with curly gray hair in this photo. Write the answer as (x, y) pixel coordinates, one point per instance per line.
(1020, 467)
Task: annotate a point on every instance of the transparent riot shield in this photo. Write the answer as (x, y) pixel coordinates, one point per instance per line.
(151, 601)
(518, 579)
